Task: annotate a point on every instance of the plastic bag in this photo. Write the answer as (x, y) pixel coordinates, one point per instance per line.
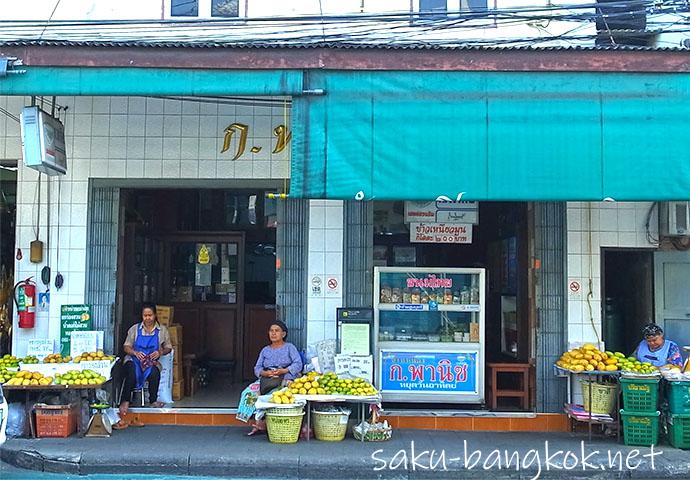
(166, 383)
(16, 420)
(326, 354)
(248, 398)
(112, 414)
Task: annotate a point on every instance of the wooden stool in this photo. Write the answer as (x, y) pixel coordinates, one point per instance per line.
(520, 371)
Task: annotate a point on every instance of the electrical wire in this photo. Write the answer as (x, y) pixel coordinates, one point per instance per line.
(384, 28)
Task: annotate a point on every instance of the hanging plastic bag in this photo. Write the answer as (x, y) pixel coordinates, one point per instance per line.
(166, 383)
(247, 405)
(16, 420)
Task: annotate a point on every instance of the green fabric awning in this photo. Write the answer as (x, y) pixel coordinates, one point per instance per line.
(150, 81)
(493, 136)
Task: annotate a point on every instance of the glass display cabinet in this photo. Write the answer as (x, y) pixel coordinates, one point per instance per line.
(429, 325)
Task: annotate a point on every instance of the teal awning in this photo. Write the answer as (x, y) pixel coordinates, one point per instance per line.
(493, 136)
(150, 81)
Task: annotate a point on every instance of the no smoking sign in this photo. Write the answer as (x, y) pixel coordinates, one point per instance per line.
(333, 286)
(574, 287)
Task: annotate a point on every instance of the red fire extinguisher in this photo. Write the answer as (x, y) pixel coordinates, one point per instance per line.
(25, 300)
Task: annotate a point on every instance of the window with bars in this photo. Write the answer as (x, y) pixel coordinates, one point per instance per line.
(205, 8)
(439, 9)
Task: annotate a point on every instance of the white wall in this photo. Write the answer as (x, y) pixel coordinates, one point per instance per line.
(126, 138)
(326, 263)
(592, 226)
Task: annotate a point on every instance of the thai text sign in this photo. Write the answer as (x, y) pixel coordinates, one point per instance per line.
(452, 372)
(446, 212)
(72, 318)
(440, 233)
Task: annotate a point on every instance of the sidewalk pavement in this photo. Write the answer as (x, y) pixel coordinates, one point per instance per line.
(227, 452)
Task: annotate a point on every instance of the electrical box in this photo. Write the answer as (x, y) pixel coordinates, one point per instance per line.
(43, 142)
(674, 219)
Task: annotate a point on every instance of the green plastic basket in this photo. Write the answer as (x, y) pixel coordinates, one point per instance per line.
(640, 428)
(679, 431)
(678, 394)
(640, 394)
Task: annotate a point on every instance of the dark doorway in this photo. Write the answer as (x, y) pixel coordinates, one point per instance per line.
(628, 297)
(210, 255)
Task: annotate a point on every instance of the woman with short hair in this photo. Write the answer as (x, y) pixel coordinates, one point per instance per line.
(656, 349)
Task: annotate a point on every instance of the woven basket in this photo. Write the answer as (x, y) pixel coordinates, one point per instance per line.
(283, 427)
(330, 426)
(603, 397)
(285, 410)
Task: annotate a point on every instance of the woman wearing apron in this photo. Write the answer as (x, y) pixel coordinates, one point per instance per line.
(146, 342)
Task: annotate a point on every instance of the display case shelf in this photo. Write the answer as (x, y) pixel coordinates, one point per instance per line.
(425, 307)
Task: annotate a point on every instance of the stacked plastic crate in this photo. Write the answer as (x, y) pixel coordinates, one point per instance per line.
(640, 412)
(678, 415)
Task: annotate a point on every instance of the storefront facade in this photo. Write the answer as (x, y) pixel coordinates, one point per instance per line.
(513, 142)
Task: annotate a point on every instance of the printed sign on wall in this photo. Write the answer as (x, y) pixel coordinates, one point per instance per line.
(440, 233)
(429, 372)
(446, 212)
(72, 318)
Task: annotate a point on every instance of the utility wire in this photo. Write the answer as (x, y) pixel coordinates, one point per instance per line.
(368, 28)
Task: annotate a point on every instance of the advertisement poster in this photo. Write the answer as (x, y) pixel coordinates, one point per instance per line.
(451, 372)
(440, 233)
(446, 212)
(73, 318)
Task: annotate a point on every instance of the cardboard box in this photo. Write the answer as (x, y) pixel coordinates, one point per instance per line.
(175, 335)
(165, 314)
(178, 390)
(178, 373)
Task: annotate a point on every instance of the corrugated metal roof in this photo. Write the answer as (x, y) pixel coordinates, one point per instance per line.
(352, 33)
(326, 45)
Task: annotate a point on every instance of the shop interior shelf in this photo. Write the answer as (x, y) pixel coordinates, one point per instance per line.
(424, 307)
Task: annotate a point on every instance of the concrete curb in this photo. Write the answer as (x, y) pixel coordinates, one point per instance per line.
(225, 452)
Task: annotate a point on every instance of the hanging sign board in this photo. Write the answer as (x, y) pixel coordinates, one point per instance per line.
(449, 372)
(73, 318)
(440, 233)
(443, 212)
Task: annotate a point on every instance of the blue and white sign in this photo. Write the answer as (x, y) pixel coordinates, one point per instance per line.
(407, 307)
(451, 372)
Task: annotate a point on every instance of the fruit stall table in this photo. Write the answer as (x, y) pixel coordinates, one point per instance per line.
(90, 390)
(592, 376)
(361, 401)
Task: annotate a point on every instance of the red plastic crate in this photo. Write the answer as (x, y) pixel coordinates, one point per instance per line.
(55, 420)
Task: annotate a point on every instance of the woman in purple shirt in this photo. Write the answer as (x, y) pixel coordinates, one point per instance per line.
(279, 363)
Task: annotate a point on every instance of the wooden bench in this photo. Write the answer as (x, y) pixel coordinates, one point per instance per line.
(519, 372)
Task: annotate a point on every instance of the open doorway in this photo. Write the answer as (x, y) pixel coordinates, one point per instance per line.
(628, 297)
(210, 255)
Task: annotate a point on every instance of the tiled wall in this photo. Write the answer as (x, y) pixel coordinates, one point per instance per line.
(592, 226)
(126, 138)
(325, 265)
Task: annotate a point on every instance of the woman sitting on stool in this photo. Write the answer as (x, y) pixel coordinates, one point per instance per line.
(146, 342)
